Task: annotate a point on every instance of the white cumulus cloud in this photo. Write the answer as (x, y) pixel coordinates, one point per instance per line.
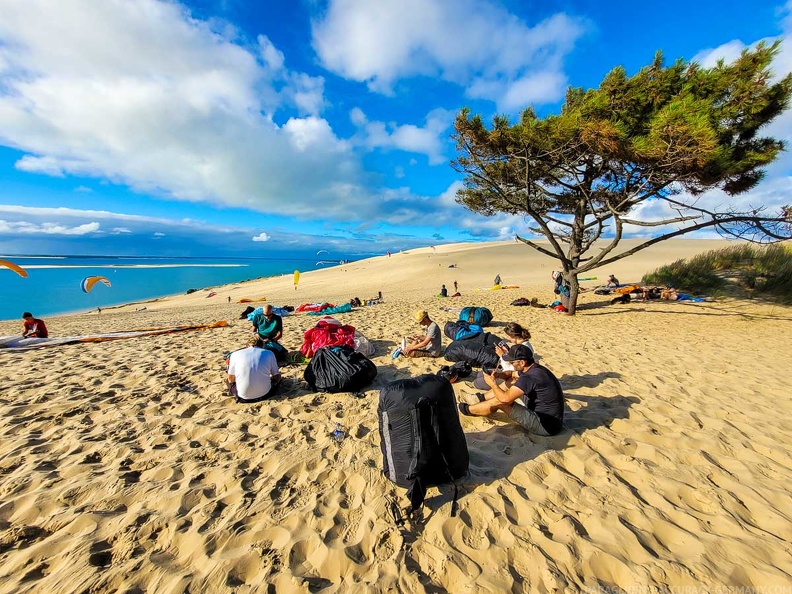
(46, 228)
(472, 43)
(425, 139)
(140, 92)
(261, 237)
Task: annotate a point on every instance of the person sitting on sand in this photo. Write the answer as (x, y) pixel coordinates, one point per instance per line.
(497, 280)
(428, 345)
(517, 335)
(253, 373)
(443, 291)
(269, 326)
(612, 281)
(33, 327)
(535, 400)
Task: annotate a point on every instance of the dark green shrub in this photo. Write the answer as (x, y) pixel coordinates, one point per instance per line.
(764, 269)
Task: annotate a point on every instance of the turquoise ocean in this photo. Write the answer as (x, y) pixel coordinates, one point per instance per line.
(53, 282)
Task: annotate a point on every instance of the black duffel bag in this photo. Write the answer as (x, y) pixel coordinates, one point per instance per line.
(339, 369)
(479, 350)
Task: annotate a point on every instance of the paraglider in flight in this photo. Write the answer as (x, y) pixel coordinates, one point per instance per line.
(18, 269)
(320, 251)
(296, 278)
(89, 281)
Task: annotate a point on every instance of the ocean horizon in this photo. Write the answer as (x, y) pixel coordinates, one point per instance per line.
(53, 284)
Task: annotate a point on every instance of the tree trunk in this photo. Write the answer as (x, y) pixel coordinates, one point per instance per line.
(574, 289)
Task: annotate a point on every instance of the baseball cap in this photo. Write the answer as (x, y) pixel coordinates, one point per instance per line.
(419, 315)
(519, 352)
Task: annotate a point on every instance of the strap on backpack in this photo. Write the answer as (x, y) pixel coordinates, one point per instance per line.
(417, 491)
(436, 431)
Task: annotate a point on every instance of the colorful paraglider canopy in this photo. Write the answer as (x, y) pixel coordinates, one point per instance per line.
(89, 281)
(18, 269)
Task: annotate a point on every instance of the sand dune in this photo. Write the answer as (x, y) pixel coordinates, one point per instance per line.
(124, 467)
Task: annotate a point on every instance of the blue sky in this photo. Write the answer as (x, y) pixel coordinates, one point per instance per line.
(146, 127)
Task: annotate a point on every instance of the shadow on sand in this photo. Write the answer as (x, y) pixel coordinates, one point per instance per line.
(497, 450)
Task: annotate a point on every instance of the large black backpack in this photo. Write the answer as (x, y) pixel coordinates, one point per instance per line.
(421, 438)
(339, 369)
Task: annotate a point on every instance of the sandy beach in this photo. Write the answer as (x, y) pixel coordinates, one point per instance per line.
(124, 467)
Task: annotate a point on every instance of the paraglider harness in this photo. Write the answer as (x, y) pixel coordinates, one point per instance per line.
(425, 445)
(422, 440)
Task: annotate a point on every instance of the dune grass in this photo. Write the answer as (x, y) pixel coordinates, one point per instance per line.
(759, 270)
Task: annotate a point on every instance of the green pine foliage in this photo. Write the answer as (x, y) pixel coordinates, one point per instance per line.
(667, 134)
(760, 270)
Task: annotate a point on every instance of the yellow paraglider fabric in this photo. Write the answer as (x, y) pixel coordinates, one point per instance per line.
(296, 278)
(89, 281)
(18, 269)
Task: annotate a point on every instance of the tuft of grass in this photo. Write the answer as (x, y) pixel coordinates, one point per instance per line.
(764, 270)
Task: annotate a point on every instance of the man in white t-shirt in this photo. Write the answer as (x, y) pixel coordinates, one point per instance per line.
(253, 372)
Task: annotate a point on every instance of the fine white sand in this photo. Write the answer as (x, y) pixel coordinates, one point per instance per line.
(125, 467)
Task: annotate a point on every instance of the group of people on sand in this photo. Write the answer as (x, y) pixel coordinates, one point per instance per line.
(527, 392)
(253, 373)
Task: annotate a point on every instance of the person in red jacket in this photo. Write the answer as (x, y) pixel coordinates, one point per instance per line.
(33, 327)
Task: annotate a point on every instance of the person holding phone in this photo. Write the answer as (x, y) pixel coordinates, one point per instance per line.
(534, 400)
(517, 335)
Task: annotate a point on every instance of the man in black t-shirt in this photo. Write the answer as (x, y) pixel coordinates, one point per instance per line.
(540, 409)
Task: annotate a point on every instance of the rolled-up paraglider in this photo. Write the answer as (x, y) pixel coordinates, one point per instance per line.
(296, 278)
(18, 269)
(89, 281)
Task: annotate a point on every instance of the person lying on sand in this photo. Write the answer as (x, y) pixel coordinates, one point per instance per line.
(253, 373)
(428, 345)
(535, 400)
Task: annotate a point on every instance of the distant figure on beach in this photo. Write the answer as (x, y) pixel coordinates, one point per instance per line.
(269, 327)
(33, 327)
(98, 310)
(534, 400)
(253, 372)
(561, 288)
(612, 281)
(456, 287)
(497, 280)
(443, 291)
(229, 298)
(388, 254)
(558, 280)
(428, 345)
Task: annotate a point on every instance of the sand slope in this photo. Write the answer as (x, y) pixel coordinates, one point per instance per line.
(123, 467)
